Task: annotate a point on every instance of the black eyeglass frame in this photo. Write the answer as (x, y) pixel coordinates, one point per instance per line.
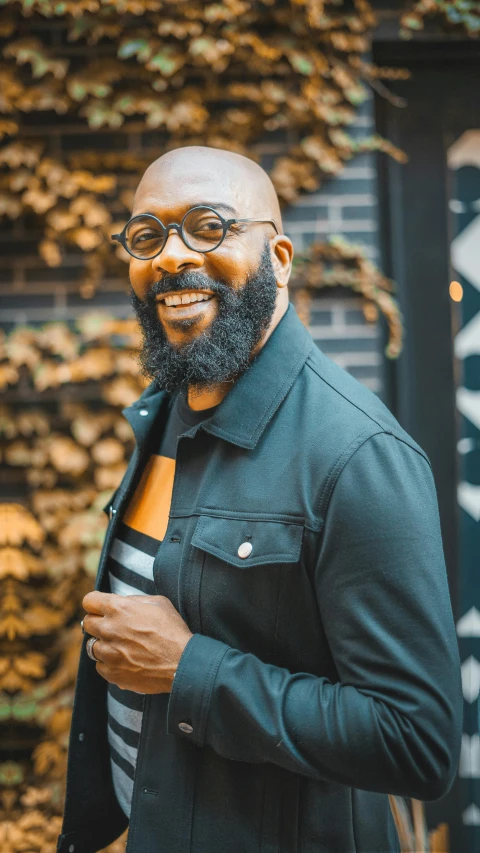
(226, 225)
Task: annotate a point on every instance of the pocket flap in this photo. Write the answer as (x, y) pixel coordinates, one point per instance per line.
(271, 541)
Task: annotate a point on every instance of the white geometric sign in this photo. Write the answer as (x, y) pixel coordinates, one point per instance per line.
(471, 816)
(465, 151)
(465, 445)
(470, 679)
(469, 624)
(465, 253)
(468, 403)
(469, 767)
(467, 342)
(468, 497)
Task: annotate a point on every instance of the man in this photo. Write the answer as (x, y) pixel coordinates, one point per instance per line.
(270, 650)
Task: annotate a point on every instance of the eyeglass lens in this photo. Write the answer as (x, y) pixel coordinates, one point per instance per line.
(202, 231)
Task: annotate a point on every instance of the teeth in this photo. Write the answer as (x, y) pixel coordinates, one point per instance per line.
(186, 299)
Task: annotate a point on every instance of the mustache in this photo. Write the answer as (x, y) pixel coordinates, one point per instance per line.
(190, 281)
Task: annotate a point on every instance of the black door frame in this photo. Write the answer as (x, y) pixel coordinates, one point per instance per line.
(442, 97)
(415, 239)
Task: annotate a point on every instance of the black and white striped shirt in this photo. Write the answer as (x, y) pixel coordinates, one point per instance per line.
(130, 572)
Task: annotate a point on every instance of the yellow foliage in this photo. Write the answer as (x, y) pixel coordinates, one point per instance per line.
(70, 459)
(300, 65)
(109, 477)
(17, 525)
(48, 757)
(108, 451)
(8, 375)
(21, 672)
(31, 664)
(67, 456)
(18, 563)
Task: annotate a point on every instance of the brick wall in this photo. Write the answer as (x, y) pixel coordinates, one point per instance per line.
(346, 205)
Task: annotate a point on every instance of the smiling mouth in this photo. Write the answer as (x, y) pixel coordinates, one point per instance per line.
(175, 299)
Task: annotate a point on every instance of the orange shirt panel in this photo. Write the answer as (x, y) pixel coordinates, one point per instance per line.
(149, 507)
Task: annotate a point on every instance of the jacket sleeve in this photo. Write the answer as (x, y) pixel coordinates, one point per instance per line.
(392, 722)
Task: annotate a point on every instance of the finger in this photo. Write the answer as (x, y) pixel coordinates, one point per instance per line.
(99, 651)
(93, 625)
(107, 673)
(104, 671)
(96, 602)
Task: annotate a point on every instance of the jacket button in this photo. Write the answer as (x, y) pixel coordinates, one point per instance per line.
(143, 412)
(186, 727)
(245, 550)
(71, 848)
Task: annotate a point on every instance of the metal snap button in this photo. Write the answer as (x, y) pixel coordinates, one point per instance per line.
(111, 512)
(71, 848)
(186, 727)
(245, 550)
(143, 412)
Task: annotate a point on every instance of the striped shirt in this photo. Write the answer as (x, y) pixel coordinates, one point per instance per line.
(130, 572)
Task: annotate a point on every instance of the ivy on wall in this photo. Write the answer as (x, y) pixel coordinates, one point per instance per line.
(460, 16)
(222, 74)
(337, 263)
(64, 442)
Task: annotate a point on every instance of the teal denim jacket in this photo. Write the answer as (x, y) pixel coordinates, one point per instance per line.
(323, 672)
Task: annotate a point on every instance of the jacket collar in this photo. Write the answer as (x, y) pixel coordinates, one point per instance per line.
(246, 410)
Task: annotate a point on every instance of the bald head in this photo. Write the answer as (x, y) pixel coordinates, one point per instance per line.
(240, 269)
(209, 175)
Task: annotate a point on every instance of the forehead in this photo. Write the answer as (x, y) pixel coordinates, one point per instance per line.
(171, 189)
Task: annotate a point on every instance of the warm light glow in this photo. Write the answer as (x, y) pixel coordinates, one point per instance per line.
(456, 291)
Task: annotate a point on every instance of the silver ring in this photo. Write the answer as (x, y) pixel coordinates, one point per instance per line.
(81, 626)
(90, 644)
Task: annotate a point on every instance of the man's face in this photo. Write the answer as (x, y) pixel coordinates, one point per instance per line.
(208, 341)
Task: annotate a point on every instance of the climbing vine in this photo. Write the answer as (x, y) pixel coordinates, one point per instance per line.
(224, 74)
(461, 16)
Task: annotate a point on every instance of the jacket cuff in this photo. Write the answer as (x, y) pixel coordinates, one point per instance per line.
(192, 687)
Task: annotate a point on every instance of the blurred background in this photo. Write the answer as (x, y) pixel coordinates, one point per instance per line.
(367, 117)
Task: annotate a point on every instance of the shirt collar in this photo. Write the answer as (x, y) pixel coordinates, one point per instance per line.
(244, 413)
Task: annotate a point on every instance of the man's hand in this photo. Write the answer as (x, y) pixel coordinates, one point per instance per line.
(140, 639)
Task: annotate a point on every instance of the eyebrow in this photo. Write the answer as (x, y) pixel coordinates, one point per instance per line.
(218, 204)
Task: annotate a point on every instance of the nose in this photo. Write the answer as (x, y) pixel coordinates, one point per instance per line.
(176, 256)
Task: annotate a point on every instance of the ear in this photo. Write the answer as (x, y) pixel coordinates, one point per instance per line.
(281, 249)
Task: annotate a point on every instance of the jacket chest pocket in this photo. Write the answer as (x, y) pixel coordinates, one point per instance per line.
(241, 567)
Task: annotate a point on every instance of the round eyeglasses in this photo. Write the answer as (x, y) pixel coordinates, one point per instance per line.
(202, 229)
